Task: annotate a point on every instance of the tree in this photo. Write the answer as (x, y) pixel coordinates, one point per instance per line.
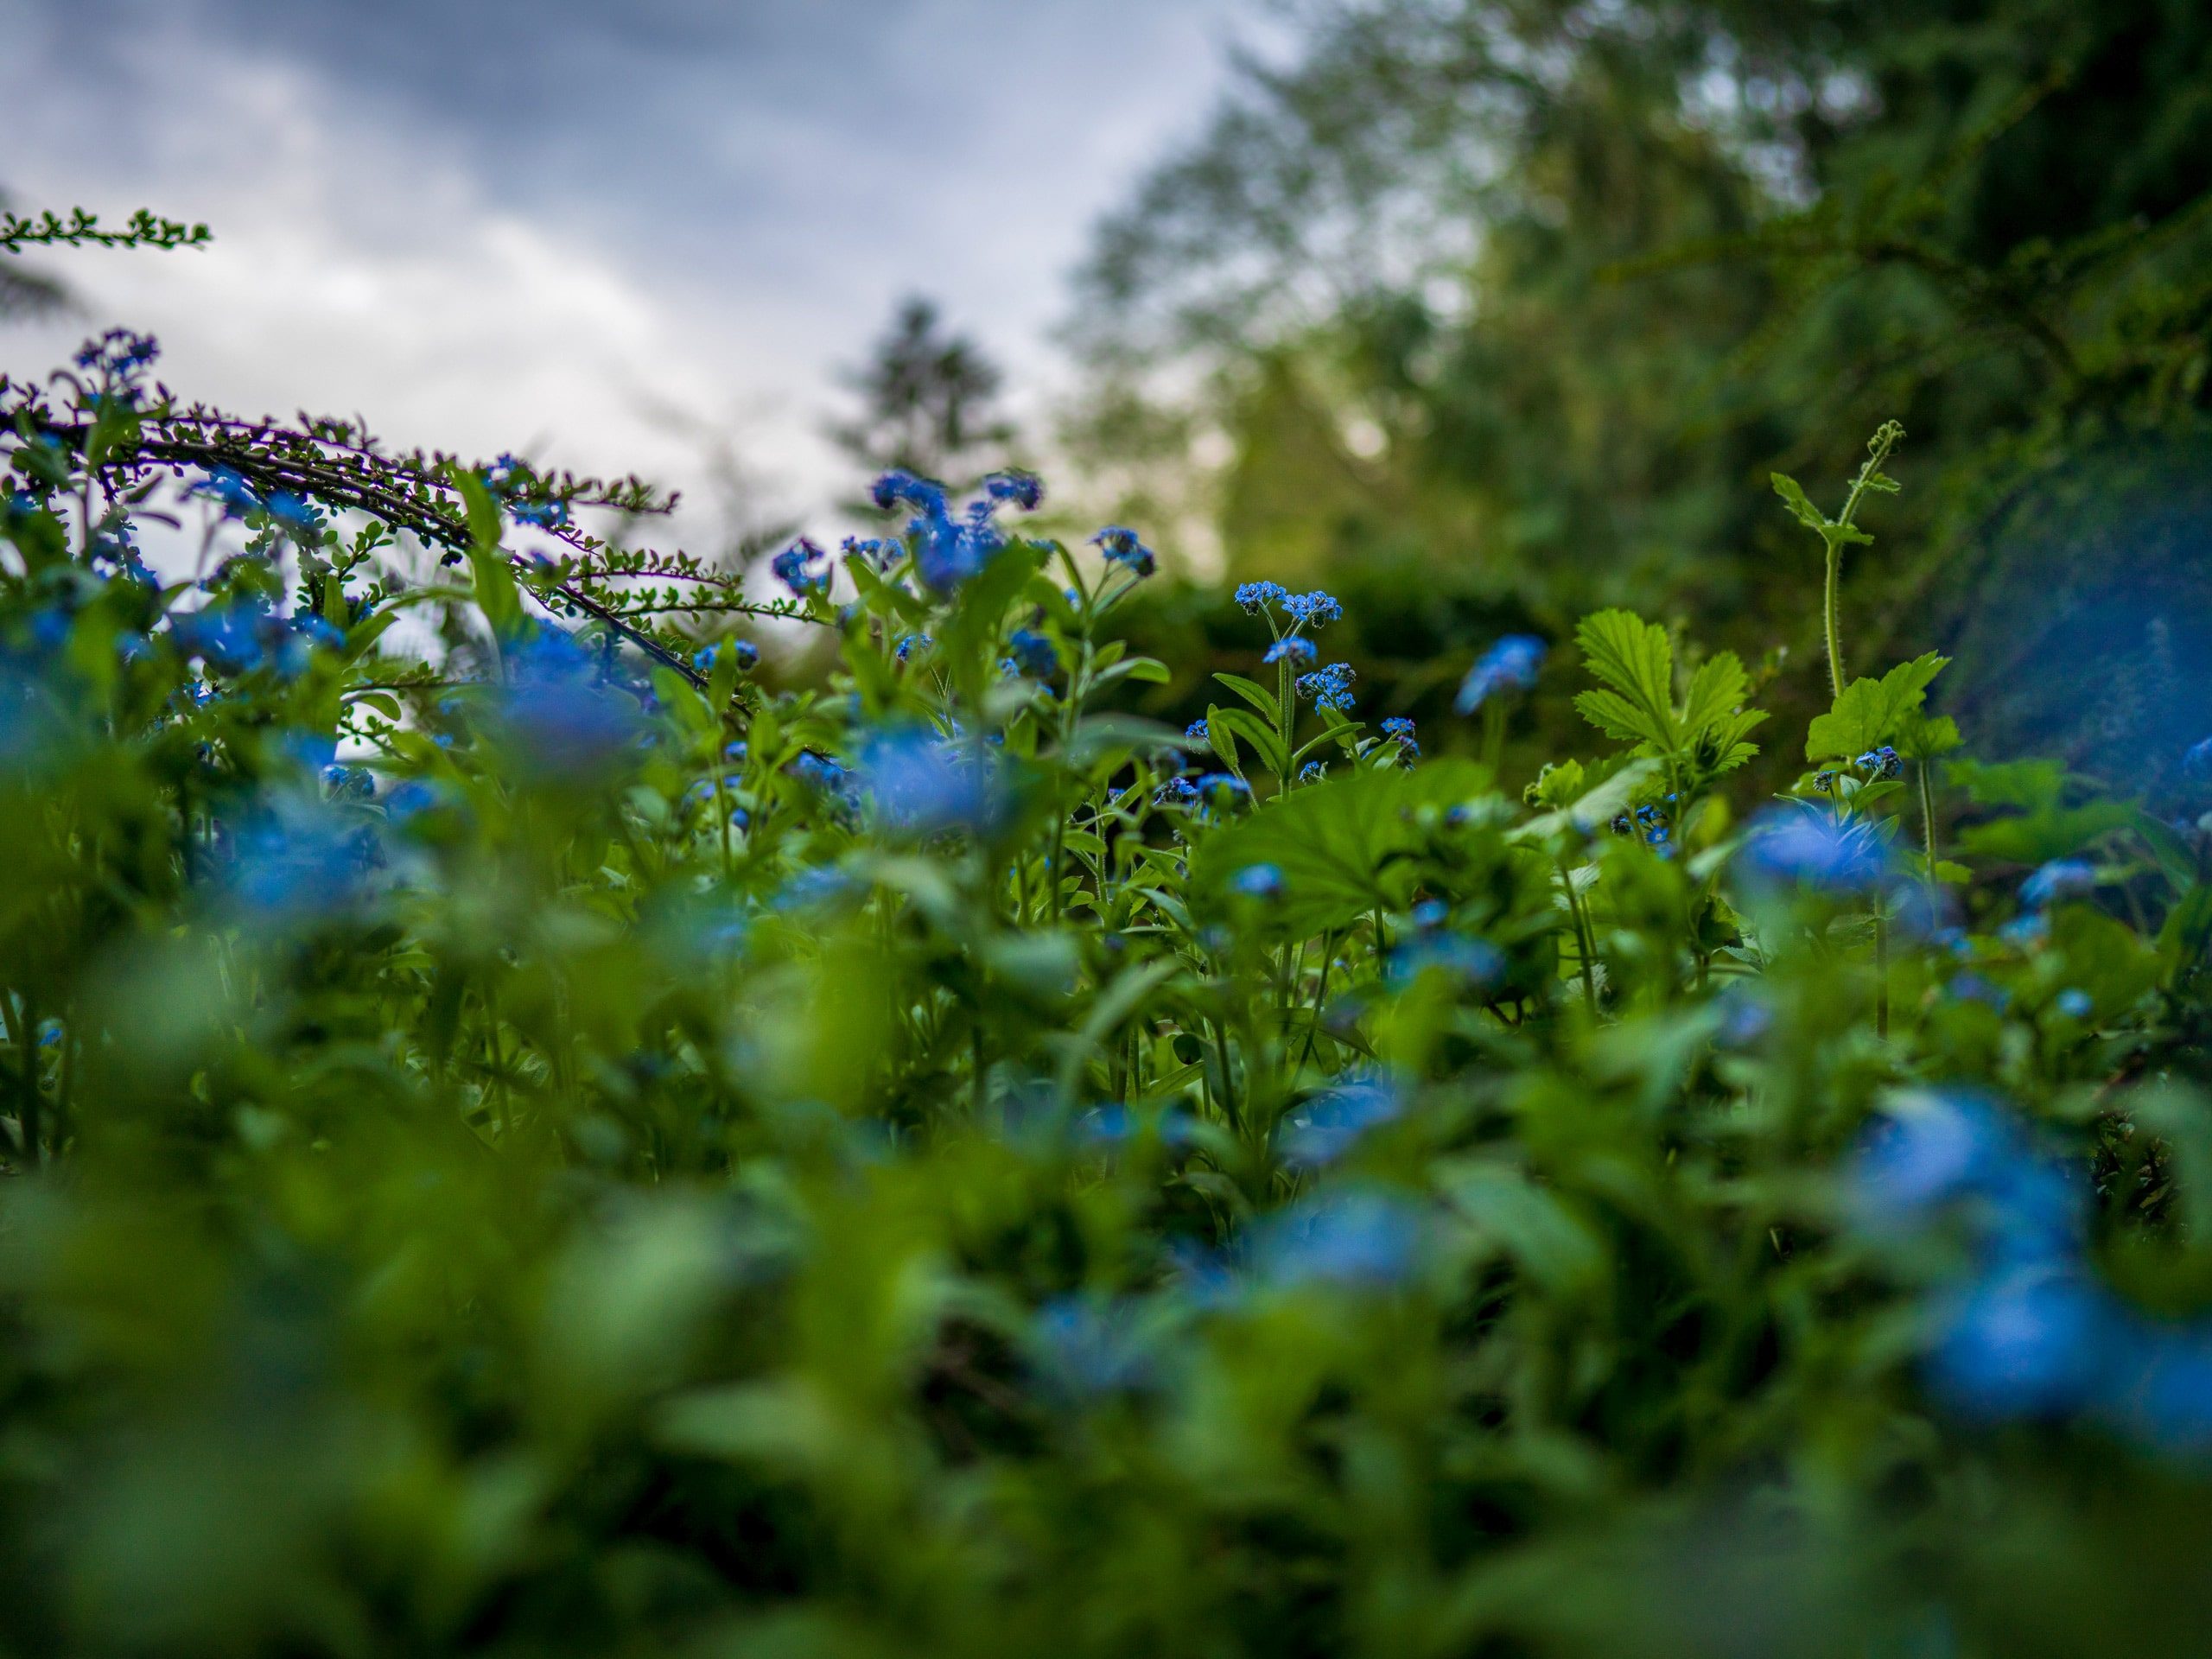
(927, 399)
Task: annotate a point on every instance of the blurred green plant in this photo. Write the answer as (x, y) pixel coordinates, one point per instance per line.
(536, 1143)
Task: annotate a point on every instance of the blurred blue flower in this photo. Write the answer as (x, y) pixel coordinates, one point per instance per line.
(555, 713)
(743, 652)
(1972, 988)
(297, 856)
(228, 637)
(1329, 688)
(1034, 653)
(2076, 1003)
(2027, 933)
(1256, 596)
(922, 784)
(119, 354)
(1294, 649)
(2060, 880)
(1312, 772)
(1356, 1238)
(1025, 490)
(1880, 763)
(1511, 665)
(794, 568)
(1257, 882)
(877, 552)
(2034, 1339)
(2196, 764)
(1095, 1345)
(1176, 791)
(1325, 1127)
(820, 773)
(1223, 788)
(1796, 847)
(1474, 964)
(349, 783)
(1745, 1018)
(899, 487)
(1121, 546)
(911, 644)
(952, 551)
(224, 484)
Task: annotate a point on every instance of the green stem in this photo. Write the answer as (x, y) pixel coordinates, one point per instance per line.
(1928, 830)
(1835, 652)
(1585, 945)
(1881, 969)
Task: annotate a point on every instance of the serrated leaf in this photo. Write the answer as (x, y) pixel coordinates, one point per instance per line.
(1340, 844)
(1717, 691)
(1869, 711)
(1800, 503)
(1923, 738)
(1619, 719)
(1637, 660)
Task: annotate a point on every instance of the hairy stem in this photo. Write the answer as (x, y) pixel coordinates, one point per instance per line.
(1827, 614)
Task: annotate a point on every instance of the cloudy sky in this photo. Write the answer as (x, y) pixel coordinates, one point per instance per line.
(492, 224)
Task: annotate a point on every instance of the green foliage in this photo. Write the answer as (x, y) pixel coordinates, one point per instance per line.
(547, 1145)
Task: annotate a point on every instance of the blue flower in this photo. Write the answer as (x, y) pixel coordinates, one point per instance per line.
(2031, 1340)
(1329, 688)
(1025, 490)
(1475, 963)
(297, 857)
(1121, 546)
(1312, 772)
(899, 485)
(1511, 665)
(349, 783)
(223, 484)
(1294, 649)
(1034, 653)
(2196, 765)
(1808, 849)
(1360, 1237)
(2060, 879)
(1176, 791)
(793, 567)
(556, 714)
(1972, 988)
(1256, 596)
(1257, 882)
(953, 550)
(911, 644)
(1326, 1128)
(1399, 730)
(1880, 763)
(1196, 731)
(1311, 610)
(1223, 788)
(743, 652)
(2076, 1003)
(1934, 1149)
(923, 784)
(820, 773)
(1095, 1346)
(228, 637)
(118, 351)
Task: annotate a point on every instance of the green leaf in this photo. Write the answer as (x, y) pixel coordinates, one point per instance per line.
(1223, 738)
(1717, 691)
(1794, 493)
(1637, 660)
(1262, 738)
(1923, 738)
(1341, 845)
(1869, 711)
(1150, 670)
(1258, 696)
(1621, 720)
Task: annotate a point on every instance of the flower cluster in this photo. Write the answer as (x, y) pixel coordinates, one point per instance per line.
(1122, 547)
(1399, 730)
(795, 568)
(1329, 688)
